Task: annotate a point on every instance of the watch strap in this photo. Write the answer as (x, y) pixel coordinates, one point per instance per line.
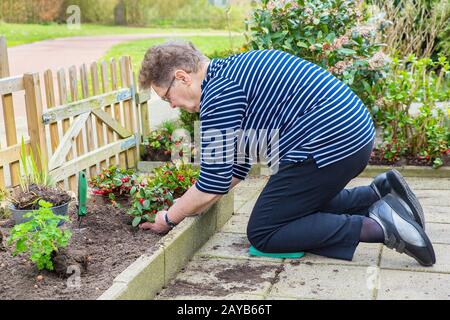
(170, 223)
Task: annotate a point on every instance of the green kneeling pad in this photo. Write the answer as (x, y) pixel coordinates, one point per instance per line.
(256, 253)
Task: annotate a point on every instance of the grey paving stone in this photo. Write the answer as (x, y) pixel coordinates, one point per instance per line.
(221, 278)
(438, 232)
(404, 285)
(315, 281)
(231, 246)
(414, 183)
(390, 259)
(436, 214)
(434, 197)
(366, 254)
(237, 224)
(248, 206)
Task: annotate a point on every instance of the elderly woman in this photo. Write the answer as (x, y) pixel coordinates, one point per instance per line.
(318, 135)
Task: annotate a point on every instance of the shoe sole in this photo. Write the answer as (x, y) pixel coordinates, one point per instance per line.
(402, 190)
(406, 217)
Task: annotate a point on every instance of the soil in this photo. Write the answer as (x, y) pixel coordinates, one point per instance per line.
(27, 200)
(105, 245)
(243, 278)
(405, 161)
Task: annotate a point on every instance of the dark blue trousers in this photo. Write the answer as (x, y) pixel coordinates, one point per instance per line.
(304, 208)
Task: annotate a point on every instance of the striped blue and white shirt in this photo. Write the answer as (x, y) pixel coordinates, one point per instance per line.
(296, 107)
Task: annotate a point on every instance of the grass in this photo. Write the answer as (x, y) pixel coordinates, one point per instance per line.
(206, 44)
(18, 34)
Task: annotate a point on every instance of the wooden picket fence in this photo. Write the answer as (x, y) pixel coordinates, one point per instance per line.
(92, 118)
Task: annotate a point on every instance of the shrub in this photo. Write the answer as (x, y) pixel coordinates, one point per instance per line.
(427, 135)
(334, 34)
(40, 237)
(114, 183)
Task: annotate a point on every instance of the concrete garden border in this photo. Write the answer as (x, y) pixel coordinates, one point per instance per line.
(145, 277)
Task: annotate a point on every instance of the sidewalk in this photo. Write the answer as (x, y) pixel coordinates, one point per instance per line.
(222, 269)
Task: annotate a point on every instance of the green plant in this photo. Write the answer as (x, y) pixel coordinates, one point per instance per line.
(147, 202)
(334, 34)
(40, 236)
(32, 172)
(177, 178)
(114, 183)
(159, 139)
(426, 135)
(188, 121)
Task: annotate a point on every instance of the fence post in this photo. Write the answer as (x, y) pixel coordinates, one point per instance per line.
(36, 128)
(8, 112)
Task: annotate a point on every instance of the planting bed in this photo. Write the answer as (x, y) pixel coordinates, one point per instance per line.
(104, 246)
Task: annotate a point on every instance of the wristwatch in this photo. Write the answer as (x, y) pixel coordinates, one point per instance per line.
(170, 223)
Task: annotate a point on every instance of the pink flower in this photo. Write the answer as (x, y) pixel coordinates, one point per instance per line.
(378, 60)
(339, 42)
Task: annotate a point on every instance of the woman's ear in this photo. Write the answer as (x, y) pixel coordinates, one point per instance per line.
(183, 76)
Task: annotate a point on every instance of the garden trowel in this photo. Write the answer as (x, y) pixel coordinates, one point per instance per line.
(82, 197)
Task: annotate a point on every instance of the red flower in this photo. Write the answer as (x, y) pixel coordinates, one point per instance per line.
(141, 200)
(154, 211)
(180, 177)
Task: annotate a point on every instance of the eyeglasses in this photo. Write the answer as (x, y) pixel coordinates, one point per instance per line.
(164, 98)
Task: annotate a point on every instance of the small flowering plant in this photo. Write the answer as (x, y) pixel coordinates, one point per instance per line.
(114, 183)
(159, 144)
(177, 178)
(147, 202)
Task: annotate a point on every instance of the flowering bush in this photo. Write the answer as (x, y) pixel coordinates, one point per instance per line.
(334, 34)
(425, 136)
(114, 183)
(147, 202)
(177, 178)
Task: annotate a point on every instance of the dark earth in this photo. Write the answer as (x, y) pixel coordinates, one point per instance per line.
(27, 200)
(152, 154)
(376, 159)
(105, 245)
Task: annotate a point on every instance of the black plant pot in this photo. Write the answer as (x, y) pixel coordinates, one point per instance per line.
(17, 214)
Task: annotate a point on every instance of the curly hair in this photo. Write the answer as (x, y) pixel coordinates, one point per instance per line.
(161, 60)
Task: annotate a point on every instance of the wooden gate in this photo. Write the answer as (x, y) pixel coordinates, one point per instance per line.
(92, 120)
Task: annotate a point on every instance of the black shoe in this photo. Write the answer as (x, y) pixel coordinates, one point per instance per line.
(401, 232)
(393, 182)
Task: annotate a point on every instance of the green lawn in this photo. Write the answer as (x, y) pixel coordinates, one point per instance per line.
(206, 44)
(17, 34)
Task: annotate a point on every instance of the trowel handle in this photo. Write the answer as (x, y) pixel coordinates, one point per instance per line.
(82, 194)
